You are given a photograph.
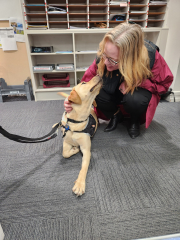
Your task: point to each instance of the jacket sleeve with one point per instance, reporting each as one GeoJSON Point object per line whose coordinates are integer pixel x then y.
{"type": "Point", "coordinates": [162, 77]}
{"type": "Point", "coordinates": [90, 72]}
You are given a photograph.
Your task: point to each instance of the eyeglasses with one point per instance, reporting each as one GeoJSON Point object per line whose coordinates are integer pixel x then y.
{"type": "Point", "coordinates": [111, 61]}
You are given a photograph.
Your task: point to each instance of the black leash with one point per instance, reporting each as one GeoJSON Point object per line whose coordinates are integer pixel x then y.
{"type": "Point", "coordinates": [17, 138]}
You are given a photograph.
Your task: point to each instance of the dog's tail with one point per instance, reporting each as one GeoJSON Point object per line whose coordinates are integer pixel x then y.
{"type": "Point", "coordinates": [63, 94]}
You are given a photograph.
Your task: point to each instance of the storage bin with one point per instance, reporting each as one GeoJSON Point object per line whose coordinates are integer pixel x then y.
{"type": "Point", "coordinates": [56, 80]}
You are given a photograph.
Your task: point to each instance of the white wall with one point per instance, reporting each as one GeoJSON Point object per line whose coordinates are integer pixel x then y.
{"type": "Point", "coordinates": [172, 53]}
{"type": "Point", "coordinates": [10, 8]}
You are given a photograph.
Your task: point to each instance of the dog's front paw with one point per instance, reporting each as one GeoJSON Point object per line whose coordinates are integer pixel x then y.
{"type": "Point", "coordinates": [79, 188]}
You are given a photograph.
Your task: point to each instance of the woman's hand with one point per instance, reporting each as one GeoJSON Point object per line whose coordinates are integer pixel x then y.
{"type": "Point", "coordinates": [122, 88]}
{"type": "Point", "coordinates": [67, 106]}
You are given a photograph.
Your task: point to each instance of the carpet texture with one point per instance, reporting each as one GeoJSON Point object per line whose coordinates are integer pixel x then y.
{"type": "Point", "coordinates": [133, 186]}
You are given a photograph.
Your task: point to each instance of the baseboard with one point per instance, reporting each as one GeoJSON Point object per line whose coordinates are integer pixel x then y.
{"type": "Point", "coordinates": [1, 233]}
{"type": "Point", "coordinates": [167, 237]}
{"type": "Point", "coordinates": [171, 97]}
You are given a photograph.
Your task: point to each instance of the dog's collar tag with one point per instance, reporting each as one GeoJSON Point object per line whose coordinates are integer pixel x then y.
{"type": "Point", "coordinates": [66, 127]}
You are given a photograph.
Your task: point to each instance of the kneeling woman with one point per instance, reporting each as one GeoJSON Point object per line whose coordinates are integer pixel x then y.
{"type": "Point", "coordinates": [134, 76]}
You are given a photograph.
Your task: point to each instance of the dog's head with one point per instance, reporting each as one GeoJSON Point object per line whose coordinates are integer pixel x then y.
{"type": "Point", "coordinates": [85, 91]}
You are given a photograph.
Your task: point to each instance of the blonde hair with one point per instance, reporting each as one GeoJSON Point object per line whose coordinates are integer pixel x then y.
{"type": "Point", "coordinates": [134, 63]}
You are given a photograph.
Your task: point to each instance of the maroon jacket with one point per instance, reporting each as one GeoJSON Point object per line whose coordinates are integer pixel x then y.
{"type": "Point", "coordinates": [158, 84]}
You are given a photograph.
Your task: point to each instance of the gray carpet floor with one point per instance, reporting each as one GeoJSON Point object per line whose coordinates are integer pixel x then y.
{"type": "Point", "coordinates": [133, 186]}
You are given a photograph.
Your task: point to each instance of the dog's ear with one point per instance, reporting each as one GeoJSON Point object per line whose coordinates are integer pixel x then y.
{"type": "Point", "coordinates": [63, 94]}
{"type": "Point", "coordinates": [74, 97]}
{"type": "Point", "coordinates": [94, 103]}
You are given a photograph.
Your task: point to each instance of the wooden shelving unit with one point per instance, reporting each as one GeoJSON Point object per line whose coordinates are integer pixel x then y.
{"type": "Point", "coordinates": [75, 37]}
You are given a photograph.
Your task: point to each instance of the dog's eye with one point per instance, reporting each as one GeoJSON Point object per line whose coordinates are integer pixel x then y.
{"type": "Point", "coordinates": [83, 83]}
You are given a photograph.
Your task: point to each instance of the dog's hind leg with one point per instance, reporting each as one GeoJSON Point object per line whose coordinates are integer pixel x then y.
{"type": "Point", "coordinates": [69, 150]}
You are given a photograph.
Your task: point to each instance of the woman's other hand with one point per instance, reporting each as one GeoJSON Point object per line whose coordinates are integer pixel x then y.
{"type": "Point", "coordinates": [67, 106]}
{"type": "Point", "coordinates": [122, 88]}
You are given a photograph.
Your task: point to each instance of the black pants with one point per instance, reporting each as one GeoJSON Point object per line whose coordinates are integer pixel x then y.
{"type": "Point", "coordinates": [135, 104]}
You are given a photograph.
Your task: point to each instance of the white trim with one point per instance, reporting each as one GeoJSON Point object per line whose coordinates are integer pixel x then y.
{"type": "Point", "coordinates": [163, 237]}
{"type": "Point", "coordinates": [177, 96]}
{"type": "Point", "coordinates": [1, 233]}
{"type": "Point", "coordinates": [4, 19]}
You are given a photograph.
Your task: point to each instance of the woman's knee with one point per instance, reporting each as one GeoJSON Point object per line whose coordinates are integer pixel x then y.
{"type": "Point", "coordinates": [138, 101]}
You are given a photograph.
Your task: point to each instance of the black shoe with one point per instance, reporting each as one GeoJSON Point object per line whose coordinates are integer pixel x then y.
{"type": "Point", "coordinates": [114, 122]}
{"type": "Point", "coordinates": [134, 130]}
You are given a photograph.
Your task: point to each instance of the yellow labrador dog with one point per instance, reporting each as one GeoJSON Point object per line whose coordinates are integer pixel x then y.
{"type": "Point", "coordinates": [79, 125]}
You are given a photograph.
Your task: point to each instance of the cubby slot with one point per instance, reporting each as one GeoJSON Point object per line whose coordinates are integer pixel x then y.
{"type": "Point", "coordinates": [116, 9]}
{"type": "Point", "coordinates": [84, 60]}
{"type": "Point", "coordinates": [56, 3]}
{"type": "Point", "coordinates": [54, 59]}
{"type": "Point", "coordinates": [101, 8]}
{"type": "Point", "coordinates": [87, 41]}
{"type": "Point", "coordinates": [79, 75]}
{"type": "Point", "coordinates": [39, 81]}
{"type": "Point", "coordinates": [97, 2]}
{"type": "Point", "coordinates": [155, 23]}
{"type": "Point", "coordinates": [99, 17]}
{"type": "Point", "coordinates": [36, 17]}
{"type": "Point", "coordinates": [78, 17]}
{"type": "Point", "coordinates": [98, 24]}
{"type": "Point", "coordinates": [78, 24]}
{"type": "Point", "coordinates": [113, 24]}
{"type": "Point", "coordinates": [58, 25]}
{"type": "Point", "coordinates": [60, 42]}
{"type": "Point", "coordinates": [34, 1]}
{"type": "Point", "coordinates": [138, 1]}
{"type": "Point", "coordinates": [57, 17]}
{"type": "Point", "coordinates": [77, 8]}
{"type": "Point", "coordinates": [35, 9]}
{"type": "Point", "coordinates": [152, 36]}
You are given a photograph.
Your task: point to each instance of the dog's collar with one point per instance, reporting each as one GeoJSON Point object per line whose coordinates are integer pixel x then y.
{"type": "Point", "coordinates": [67, 126]}
{"type": "Point", "coordinates": [74, 121]}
